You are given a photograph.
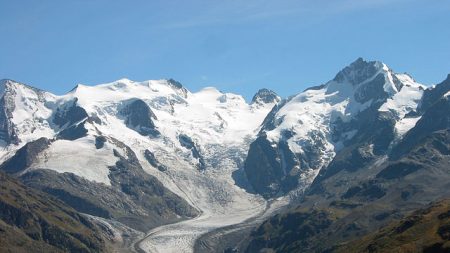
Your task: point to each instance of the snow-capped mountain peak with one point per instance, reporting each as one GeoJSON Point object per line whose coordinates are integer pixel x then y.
{"type": "Point", "coordinates": [359, 71]}
{"type": "Point", "coordinates": [366, 80]}
{"type": "Point", "coordinates": [315, 124]}
{"type": "Point", "coordinates": [264, 96]}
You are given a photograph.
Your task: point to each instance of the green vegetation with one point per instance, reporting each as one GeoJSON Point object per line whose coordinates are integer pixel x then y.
{"type": "Point", "coordinates": [31, 221]}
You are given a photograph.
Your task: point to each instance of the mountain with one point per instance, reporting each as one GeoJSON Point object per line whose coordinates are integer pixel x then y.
{"type": "Point", "coordinates": [200, 170]}
{"type": "Point", "coordinates": [265, 96]}
{"type": "Point", "coordinates": [31, 221]}
{"type": "Point", "coordinates": [396, 163]}
{"type": "Point", "coordinates": [366, 103]}
{"type": "Point", "coordinates": [132, 152]}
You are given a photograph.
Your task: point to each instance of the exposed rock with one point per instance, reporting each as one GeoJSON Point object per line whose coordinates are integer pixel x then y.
{"type": "Point", "coordinates": [436, 118]}
{"type": "Point", "coordinates": [100, 142]}
{"type": "Point", "coordinates": [69, 115]}
{"type": "Point", "coordinates": [188, 143]}
{"type": "Point", "coordinates": [73, 132]}
{"type": "Point", "coordinates": [7, 131]}
{"type": "Point", "coordinates": [178, 86]}
{"type": "Point", "coordinates": [422, 231]}
{"type": "Point", "coordinates": [265, 96]}
{"type": "Point", "coordinates": [153, 161]}
{"type": "Point", "coordinates": [25, 156]}
{"type": "Point", "coordinates": [139, 116]}
{"type": "Point", "coordinates": [433, 94]}
{"type": "Point", "coordinates": [268, 174]}
{"type": "Point", "coordinates": [31, 221]}
{"type": "Point", "coordinates": [290, 232]}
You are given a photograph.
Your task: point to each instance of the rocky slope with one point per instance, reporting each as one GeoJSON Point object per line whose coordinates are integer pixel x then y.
{"type": "Point", "coordinates": [426, 230]}
{"type": "Point", "coordinates": [31, 221]}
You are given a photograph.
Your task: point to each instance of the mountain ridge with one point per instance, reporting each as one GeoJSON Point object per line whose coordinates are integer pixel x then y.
{"type": "Point", "coordinates": [146, 144]}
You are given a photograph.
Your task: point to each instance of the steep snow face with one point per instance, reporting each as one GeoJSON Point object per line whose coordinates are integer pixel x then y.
{"type": "Point", "coordinates": [403, 102]}
{"type": "Point", "coordinates": [314, 111]}
{"type": "Point", "coordinates": [307, 123]}
{"type": "Point", "coordinates": [28, 110]}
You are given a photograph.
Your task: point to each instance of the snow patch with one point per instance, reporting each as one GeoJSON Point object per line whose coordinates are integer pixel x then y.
{"type": "Point", "coordinates": [79, 157]}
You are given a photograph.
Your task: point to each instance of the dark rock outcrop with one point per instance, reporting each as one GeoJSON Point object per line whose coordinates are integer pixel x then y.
{"type": "Point", "coordinates": [265, 96]}
{"type": "Point", "coordinates": [153, 161]}
{"type": "Point", "coordinates": [178, 87]}
{"type": "Point", "coordinates": [436, 118]}
{"type": "Point", "coordinates": [7, 130]}
{"type": "Point", "coordinates": [100, 142]}
{"type": "Point", "coordinates": [188, 143]}
{"type": "Point", "coordinates": [69, 114]}
{"type": "Point", "coordinates": [433, 94]}
{"type": "Point", "coordinates": [70, 120]}
{"type": "Point", "coordinates": [139, 116]}
{"type": "Point", "coordinates": [25, 156]}
{"type": "Point", "coordinates": [268, 174]}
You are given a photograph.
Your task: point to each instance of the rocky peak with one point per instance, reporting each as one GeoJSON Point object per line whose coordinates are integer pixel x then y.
{"type": "Point", "coordinates": [366, 80]}
{"type": "Point", "coordinates": [140, 117]}
{"type": "Point", "coordinates": [359, 71]}
{"type": "Point", "coordinates": [2, 85]}
{"type": "Point", "coordinates": [9, 85]}
{"type": "Point", "coordinates": [178, 87]}
{"type": "Point", "coordinates": [265, 96]}
{"type": "Point", "coordinates": [433, 94]}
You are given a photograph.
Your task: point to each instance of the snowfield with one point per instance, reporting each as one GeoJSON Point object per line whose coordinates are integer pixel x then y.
{"type": "Point", "coordinates": [92, 163]}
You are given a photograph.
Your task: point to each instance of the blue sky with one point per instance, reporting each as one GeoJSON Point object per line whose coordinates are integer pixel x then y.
{"type": "Point", "coordinates": [235, 45]}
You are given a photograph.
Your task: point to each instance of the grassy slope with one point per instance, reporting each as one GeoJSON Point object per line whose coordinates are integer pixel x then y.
{"type": "Point", "coordinates": [31, 221]}
{"type": "Point", "coordinates": [426, 230]}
